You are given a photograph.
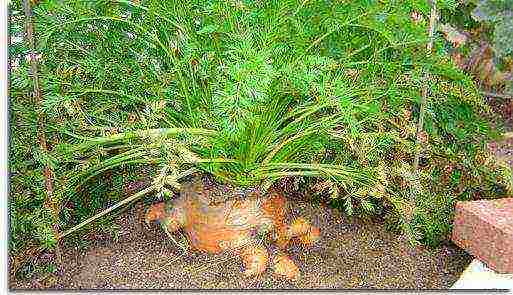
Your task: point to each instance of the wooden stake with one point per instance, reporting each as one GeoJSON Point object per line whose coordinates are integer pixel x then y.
{"type": "Point", "coordinates": [50, 202]}
{"type": "Point", "coordinates": [425, 90]}
{"type": "Point", "coordinates": [420, 125]}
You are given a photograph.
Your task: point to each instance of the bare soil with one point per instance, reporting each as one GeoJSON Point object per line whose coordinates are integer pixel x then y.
{"type": "Point", "coordinates": [352, 253]}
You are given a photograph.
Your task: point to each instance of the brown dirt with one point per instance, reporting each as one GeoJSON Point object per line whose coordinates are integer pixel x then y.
{"type": "Point", "coordinates": [352, 253]}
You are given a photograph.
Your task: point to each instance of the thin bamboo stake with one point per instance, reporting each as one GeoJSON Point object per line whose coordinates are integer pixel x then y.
{"type": "Point", "coordinates": [50, 201]}
{"type": "Point", "coordinates": [425, 90]}
{"type": "Point", "coordinates": [423, 102]}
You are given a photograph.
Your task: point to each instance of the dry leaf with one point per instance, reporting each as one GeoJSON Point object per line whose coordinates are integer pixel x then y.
{"type": "Point", "coordinates": [416, 17]}
{"type": "Point", "coordinates": [458, 60]}
{"type": "Point", "coordinates": [131, 118]}
{"type": "Point", "coordinates": [452, 35]}
{"type": "Point", "coordinates": [423, 137]}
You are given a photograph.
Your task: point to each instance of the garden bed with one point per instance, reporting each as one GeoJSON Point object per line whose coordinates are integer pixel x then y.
{"type": "Point", "coordinates": [353, 253]}
{"type": "Point", "coordinates": [375, 106]}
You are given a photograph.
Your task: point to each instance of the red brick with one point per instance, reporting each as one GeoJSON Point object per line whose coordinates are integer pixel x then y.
{"type": "Point", "coordinates": [484, 229]}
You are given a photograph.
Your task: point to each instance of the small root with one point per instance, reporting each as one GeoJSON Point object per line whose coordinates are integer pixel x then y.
{"type": "Point", "coordinates": [179, 245]}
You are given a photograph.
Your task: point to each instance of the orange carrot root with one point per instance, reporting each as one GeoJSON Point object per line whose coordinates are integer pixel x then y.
{"type": "Point", "coordinates": [284, 266]}
{"type": "Point", "coordinates": [255, 260]}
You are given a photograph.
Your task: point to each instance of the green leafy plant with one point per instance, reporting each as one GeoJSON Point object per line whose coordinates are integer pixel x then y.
{"type": "Point", "coordinates": [252, 92]}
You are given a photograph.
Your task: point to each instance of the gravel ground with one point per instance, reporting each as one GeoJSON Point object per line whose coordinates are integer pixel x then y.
{"type": "Point", "coordinates": [351, 254]}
